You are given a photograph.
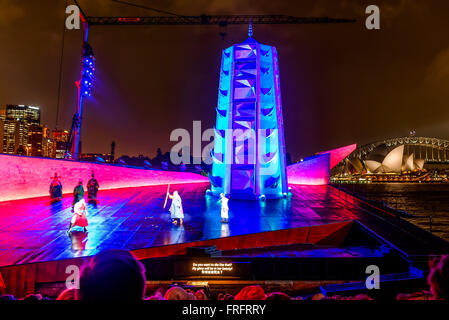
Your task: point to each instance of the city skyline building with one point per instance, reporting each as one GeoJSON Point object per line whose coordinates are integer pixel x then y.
{"type": "Point", "coordinates": [39, 142]}
{"type": "Point", "coordinates": [34, 141]}
{"type": "Point", "coordinates": [18, 120]}
{"type": "Point", "coordinates": [22, 134]}
{"type": "Point", "coordinates": [59, 140]}
{"type": "Point", "coordinates": [2, 126]}
{"type": "Point", "coordinates": [47, 145]}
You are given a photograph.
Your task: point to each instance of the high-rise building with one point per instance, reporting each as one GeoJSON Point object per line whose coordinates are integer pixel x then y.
{"type": "Point", "coordinates": [47, 144]}
{"type": "Point", "coordinates": [59, 139]}
{"type": "Point", "coordinates": [34, 141]}
{"type": "Point", "coordinates": [249, 150]}
{"type": "Point", "coordinates": [2, 126]}
{"type": "Point", "coordinates": [18, 120]}
{"type": "Point", "coordinates": [112, 157]}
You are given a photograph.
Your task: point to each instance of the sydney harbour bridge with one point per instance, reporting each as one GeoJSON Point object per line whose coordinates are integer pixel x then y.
{"type": "Point", "coordinates": [428, 149]}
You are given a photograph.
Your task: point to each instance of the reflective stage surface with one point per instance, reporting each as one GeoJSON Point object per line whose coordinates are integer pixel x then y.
{"type": "Point", "coordinates": [34, 230]}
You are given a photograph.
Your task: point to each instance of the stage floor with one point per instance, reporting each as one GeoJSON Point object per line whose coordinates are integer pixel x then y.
{"type": "Point", "coordinates": [33, 230]}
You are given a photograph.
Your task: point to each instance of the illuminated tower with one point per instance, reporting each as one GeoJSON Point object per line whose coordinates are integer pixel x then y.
{"type": "Point", "coordinates": [249, 150]}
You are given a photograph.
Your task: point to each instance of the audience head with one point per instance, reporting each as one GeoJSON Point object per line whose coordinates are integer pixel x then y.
{"type": "Point", "coordinates": [178, 293]}
{"type": "Point", "coordinates": [278, 296]}
{"type": "Point", "coordinates": [156, 296]}
{"type": "Point", "coordinates": [201, 295]}
{"type": "Point", "coordinates": [362, 297]}
{"type": "Point", "coordinates": [32, 297]}
{"type": "Point", "coordinates": [112, 275]}
{"type": "Point", "coordinates": [318, 296]}
{"type": "Point", "coordinates": [68, 294]}
{"type": "Point", "coordinates": [225, 296]}
{"type": "Point", "coordinates": [438, 279]}
{"type": "Point", "coordinates": [251, 293]}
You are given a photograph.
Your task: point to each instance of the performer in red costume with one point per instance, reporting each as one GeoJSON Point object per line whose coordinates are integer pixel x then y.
{"type": "Point", "coordinates": [79, 216]}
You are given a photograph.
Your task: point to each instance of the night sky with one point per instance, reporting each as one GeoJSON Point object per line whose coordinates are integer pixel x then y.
{"type": "Point", "coordinates": [341, 83]}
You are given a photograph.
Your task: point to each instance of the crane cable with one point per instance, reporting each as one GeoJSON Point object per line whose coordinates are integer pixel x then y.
{"type": "Point", "coordinates": [145, 7]}
{"type": "Point", "coordinates": [61, 60]}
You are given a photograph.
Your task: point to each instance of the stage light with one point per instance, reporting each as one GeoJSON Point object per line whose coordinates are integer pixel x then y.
{"type": "Point", "coordinates": [88, 70]}
{"type": "Point", "coordinates": [87, 92]}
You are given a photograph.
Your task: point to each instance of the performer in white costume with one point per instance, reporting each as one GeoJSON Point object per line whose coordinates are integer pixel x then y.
{"type": "Point", "coordinates": [224, 208]}
{"type": "Point", "coordinates": [79, 217]}
{"type": "Point", "coordinates": [176, 212]}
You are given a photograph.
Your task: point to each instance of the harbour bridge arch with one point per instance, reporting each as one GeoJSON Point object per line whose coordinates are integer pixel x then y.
{"type": "Point", "coordinates": [426, 148]}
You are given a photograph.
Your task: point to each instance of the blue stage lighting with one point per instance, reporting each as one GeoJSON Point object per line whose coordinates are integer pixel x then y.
{"type": "Point", "coordinates": [249, 149]}
{"type": "Point", "coordinates": [87, 71]}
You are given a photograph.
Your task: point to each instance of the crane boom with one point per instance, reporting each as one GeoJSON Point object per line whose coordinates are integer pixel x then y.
{"type": "Point", "coordinates": [221, 20]}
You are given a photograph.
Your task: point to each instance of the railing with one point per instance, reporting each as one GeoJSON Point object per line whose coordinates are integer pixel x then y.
{"type": "Point", "coordinates": [398, 213]}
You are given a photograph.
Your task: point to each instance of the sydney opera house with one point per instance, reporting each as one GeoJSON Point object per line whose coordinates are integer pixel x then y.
{"type": "Point", "coordinates": [410, 157]}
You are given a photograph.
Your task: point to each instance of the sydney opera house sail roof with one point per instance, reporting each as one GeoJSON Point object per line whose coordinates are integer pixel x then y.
{"type": "Point", "coordinates": [413, 164]}
{"type": "Point", "coordinates": [395, 162]}
{"type": "Point", "coordinates": [391, 163]}
{"type": "Point", "coordinates": [396, 155]}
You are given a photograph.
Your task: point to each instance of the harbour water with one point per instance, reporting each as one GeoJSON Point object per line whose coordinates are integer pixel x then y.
{"type": "Point", "coordinates": [427, 202]}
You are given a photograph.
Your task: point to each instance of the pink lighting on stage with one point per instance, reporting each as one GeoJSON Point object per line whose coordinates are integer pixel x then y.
{"type": "Point", "coordinates": [315, 170]}
{"type": "Point", "coordinates": [311, 171]}
{"type": "Point", "coordinates": [339, 154]}
{"type": "Point", "coordinates": [28, 177]}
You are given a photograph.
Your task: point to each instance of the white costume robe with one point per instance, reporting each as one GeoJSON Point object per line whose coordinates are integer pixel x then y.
{"type": "Point", "coordinates": [224, 208]}
{"type": "Point", "coordinates": [176, 211]}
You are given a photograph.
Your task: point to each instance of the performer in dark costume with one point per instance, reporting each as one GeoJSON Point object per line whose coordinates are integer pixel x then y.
{"type": "Point", "coordinates": [92, 189]}
{"type": "Point", "coordinates": [55, 189]}
{"type": "Point", "coordinates": [78, 193]}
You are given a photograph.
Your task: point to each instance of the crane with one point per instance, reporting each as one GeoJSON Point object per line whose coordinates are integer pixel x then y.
{"type": "Point", "coordinates": [220, 20]}
{"type": "Point", "coordinates": [84, 84]}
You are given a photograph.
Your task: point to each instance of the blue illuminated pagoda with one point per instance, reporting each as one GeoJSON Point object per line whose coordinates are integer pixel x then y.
{"type": "Point", "coordinates": [249, 150]}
